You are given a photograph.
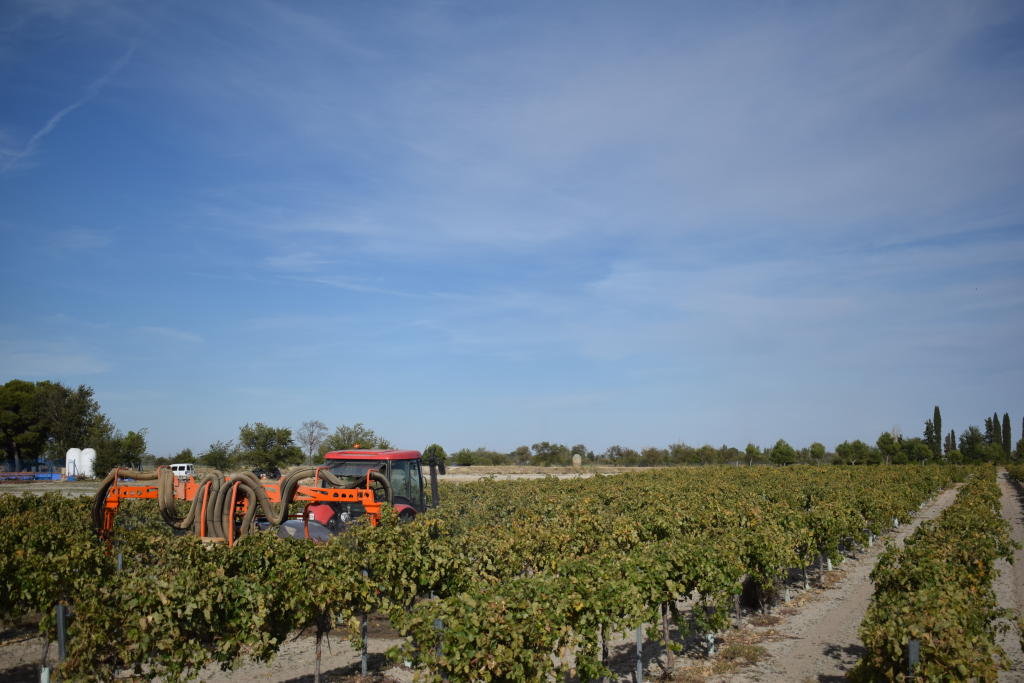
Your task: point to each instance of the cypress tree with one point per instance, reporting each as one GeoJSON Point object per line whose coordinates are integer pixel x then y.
{"type": "Point", "coordinates": [937, 442]}
{"type": "Point", "coordinates": [997, 432]}
{"type": "Point", "coordinates": [1007, 438]}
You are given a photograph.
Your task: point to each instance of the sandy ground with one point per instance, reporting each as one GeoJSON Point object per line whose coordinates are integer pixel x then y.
{"type": "Point", "coordinates": [1010, 584]}
{"type": "Point", "coordinates": [819, 641]}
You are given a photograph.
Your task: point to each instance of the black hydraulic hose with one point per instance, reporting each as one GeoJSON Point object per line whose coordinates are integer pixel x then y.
{"type": "Point", "coordinates": [214, 494]}
{"type": "Point", "coordinates": [389, 495]}
{"type": "Point", "coordinates": [166, 500]}
{"type": "Point", "coordinates": [256, 494]}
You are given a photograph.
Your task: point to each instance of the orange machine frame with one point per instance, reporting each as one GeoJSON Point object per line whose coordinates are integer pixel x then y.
{"type": "Point", "coordinates": [186, 490]}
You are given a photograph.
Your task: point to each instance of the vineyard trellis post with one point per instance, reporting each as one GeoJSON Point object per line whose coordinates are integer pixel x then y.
{"type": "Point", "coordinates": [604, 648]}
{"type": "Point", "coordinates": [439, 627]}
{"type": "Point", "coordinates": [913, 656]}
{"type": "Point", "coordinates": [62, 632]}
{"type": "Point", "coordinates": [668, 642]}
{"type": "Point", "coordinates": [640, 654]}
{"type": "Point", "coordinates": [362, 632]}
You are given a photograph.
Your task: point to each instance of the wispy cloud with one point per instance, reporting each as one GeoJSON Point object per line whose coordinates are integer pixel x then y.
{"type": "Point", "coordinates": [91, 92]}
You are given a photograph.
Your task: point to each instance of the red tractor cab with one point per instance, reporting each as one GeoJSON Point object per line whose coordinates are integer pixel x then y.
{"type": "Point", "coordinates": [402, 469]}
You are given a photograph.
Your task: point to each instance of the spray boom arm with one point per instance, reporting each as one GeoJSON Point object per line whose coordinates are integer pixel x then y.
{"type": "Point", "coordinates": [218, 501]}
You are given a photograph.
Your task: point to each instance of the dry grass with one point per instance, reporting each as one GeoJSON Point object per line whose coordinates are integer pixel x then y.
{"type": "Point", "coordinates": [692, 674]}
{"type": "Point", "coordinates": [762, 620]}
{"type": "Point", "coordinates": [735, 656]}
{"type": "Point", "coordinates": [832, 578]}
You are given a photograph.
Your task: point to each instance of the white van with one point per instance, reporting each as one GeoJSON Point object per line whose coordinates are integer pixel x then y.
{"type": "Point", "coordinates": [183, 471]}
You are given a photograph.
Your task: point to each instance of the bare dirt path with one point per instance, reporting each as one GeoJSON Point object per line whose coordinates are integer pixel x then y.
{"type": "Point", "coordinates": [819, 642]}
{"type": "Point", "coordinates": [1010, 584]}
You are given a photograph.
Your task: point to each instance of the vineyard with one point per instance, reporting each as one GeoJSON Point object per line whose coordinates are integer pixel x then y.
{"type": "Point", "coordinates": [937, 590]}
{"type": "Point", "coordinates": [518, 580]}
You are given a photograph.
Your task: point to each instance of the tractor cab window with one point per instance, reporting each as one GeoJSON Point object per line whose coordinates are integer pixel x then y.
{"type": "Point", "coordinates": [416, 485]}
{"type": "Point", "coordinates": [355, 471]}
{"type": "Point", "coordinates": [353, 475]}
{"type": "Point", "coordinates": [400, 480]}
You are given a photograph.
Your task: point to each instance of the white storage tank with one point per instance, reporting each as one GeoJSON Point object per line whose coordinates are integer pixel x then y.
{"type": "Point", "coordinates": [88, 459]}
{"type": "Point", "coordinates": [71, 464]}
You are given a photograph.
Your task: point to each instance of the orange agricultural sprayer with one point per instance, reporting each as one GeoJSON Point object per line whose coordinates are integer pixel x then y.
{"type": "Point", "coordinates": [225, 508]}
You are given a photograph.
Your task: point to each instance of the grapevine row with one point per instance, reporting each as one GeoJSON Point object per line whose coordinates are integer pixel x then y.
{"type": "Point", "coordinates": [937, 590]}
{"type": "Point", "coordinates": [518, 570]}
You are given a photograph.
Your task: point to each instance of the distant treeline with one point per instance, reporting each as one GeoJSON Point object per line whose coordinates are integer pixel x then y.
{"type": "Point", "coordinates": [40, 421]}
{"type": "Point", "coordinates": [972, 446]}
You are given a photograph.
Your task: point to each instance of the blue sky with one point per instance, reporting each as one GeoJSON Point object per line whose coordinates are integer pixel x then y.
{"type": "Point", "coordinates": [491, 224]}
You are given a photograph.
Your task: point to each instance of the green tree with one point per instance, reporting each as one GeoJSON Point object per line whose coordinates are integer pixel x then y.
{"type": "Point", "coordinates": [930, 433]}
{"type": "Point", "coordinates": [438, 453]}
{"type": "Point", "coordinates": [618, 455]}
{"type": "Point", "coordinates": [480, 456]}
{"type": "Point", "coordinates": [971, 441]}
{"type": "Point", "coordinates": [521, 455]}
{"type": "Point", "coordinates": [950, 444]}
{"type": "Point", "coordinates": [889, 447]}
{"type": "Point", "coordinates": [268, 447]}
{"type": "Point", "coordinates": [783, 453]}
{"type": "Point", "coordinates": [652, 457]}
{"type": "Point", "coordinates": [856, 453]}
{"type": "Point", "coordinates": [464, 457]}
{"type": "Point", "coordinates": [219, 456]}
{"type": "Point", "coordinates": [1007, 435]}
{"type": "Point", "coordinates": [818, 452]}
{"type": "Point", "coordinates": [70, 415]}
{"type": "Point", "coordinates": [346, 438]}
{"type": "Point", "coordinates": [917, 450]}
{"type": "Point", "coordinates": [23, 431]}
{"type": "Point", "coordinates": [991, 452]}
{"type": "Point", "coordinates": [936, 442]}
{"type": "Point", "coordinates": [680, 454]}
{"type": "Point", "coordinates": [997, 430]}
{"type": "Point", "coordinates": [114, 449]}
{"type": "Point", "coordinates": [546, 454]}
{"type": "Point", "coordinates": [183, 457]}
{"type": "Point", "coordinates": [752, 452]}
